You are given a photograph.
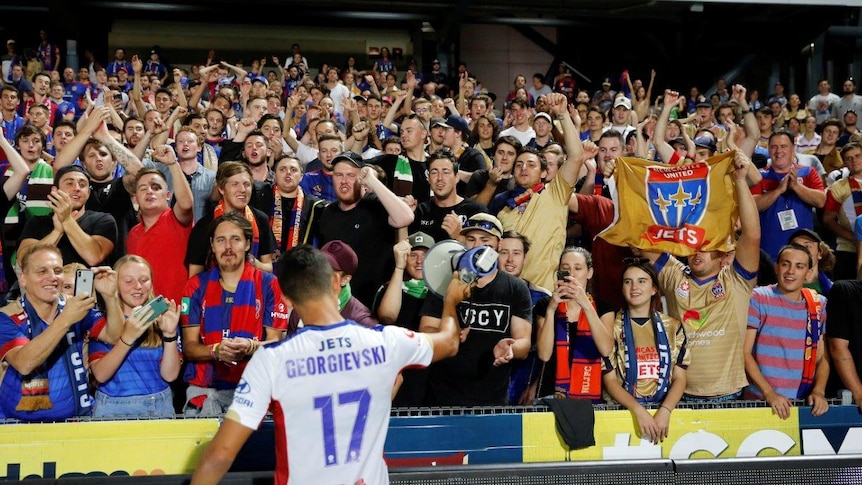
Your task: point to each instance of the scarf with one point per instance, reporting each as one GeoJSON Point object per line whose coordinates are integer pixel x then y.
{"type": "Point", "coordinates": [277, 220]}
{"type": "Point", "coordinates": [631, 363]}
{"type": "Point", "coordinates": [249, 215]}
{"type": "Point", "coordinates": [812, 338]}
{"type": "Point", "coordinates": [344, 296]}
{"type": "Point", "coordinates": [35, 388]}
{"type": "Point", "coordinates": [579, 368]}
{"type": "Point", "coordinates": [519, 196]}
{"type": "Point", "coordinates": [403, 177]}
{"type": "Point", "coordinates": [415, 288]}
{"type": "Point", "coordinates": [856, 193]}
{"type": "Point", "coordinates": [242, 318]}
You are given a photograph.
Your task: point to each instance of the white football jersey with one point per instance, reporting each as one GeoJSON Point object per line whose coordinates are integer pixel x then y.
{"type": "Point", "coordinates": [330, 393]}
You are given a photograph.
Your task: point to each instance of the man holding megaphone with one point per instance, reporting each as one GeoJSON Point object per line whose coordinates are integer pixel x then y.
{"type": "Point", "coordinates": [495, 327]}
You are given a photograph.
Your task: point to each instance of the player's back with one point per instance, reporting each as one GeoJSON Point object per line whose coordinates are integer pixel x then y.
{"type": "Point", "coordinates": [332, 390]}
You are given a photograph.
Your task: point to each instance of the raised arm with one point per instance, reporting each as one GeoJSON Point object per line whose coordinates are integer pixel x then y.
{"type": "Point", "coordinates": [662, 147]}
{"type": "Point", "coordinates": [20, 170]}
{"type": "Point", "coordinates": [184, 200]}
{"type": "Point", "coordinates": [748, 244]}
{"type": "Point", "coordinates": [400, 214]}
{"type": "Point", "coordinates": [571, 133]}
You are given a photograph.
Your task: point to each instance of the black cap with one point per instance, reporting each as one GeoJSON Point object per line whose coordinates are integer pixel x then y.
{"type": "Point", "coordinates": [360, 97]}
{"type": "Point", "coordinates": [806, 233]}
{"type": "Point", "coordinates": [703, 104]}
{"type": "Point", "coordinates": [68, 168]}
{"type": "Point", "coordinates": [458, 123]}
{"type": "Point", "coordinates": [349, 156]}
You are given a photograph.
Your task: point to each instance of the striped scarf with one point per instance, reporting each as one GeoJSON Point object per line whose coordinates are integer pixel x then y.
{"type": "Point", "coordinates": [579, 368]}
{"type": "Point", "coordinates": [631, 362]}
{"type": "Point", "coordinates": [812, 338]}
{"type": "Point", "coordinates": [856, 193]}
{"type": "Point", "coordinates": [249, 215]}
{"type": "Point", "coordinates": [277, 220]}
{"type": "Point", "coordinates": [520, 196]}
{"type": "Point", "coordinates": [403, 183]}
{"type": "Point", "coordinates": [241, 318]}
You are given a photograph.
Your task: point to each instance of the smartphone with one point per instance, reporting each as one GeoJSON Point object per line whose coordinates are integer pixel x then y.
{"type": "Point", "coordinates": [159, 305]}
{"type": "Point", "coordinates": [118, 96]}
{"type": "Point", "coordinates": [84, 282]}
{"type": "Point", "coordinates": [561, 275]}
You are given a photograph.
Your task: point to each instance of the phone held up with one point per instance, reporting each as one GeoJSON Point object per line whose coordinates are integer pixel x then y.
{"type": "Point", "coordinates": [84, 279]}
{"type": "Point", "coordinates": [561, 275]}
{"type": "Point", "coordinates": [159, 305]}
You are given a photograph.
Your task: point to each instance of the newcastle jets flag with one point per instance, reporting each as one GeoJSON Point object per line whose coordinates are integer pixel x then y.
{"type": "Point", "coordinates": [676, 209]}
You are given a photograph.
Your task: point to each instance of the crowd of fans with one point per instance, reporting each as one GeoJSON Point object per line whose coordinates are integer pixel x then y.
{"type": "Point", "coordinates": [189, 184]}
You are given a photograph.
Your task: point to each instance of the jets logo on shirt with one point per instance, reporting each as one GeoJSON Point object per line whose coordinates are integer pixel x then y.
{"type": "Point", "coordinates": [243, 387]}
{"type": "Point", "coordinates": [718, 290]}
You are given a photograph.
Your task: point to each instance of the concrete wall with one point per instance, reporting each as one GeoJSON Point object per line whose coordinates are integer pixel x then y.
{"type": "Point", "coordinates": [495, 54]}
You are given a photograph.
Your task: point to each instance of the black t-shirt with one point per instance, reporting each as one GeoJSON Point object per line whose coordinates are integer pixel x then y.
{"type": "Point", "coordinates": [199, 241]}
{"type": "Point", "coordinates": [478, 181]}
{"type": "Point", "coordinates": [366, 229]}
{"type": "Point", "coordinates": [421, 190]}
{"type": "Point", "coordinates": [843, 306]}
{"type": "Point", "coordinates": [92, 222]}
{"type": "Point", "coordinates": [470, 378]}
{"type": "Point", "coordinates": [428, 216]}
{"type": "Point", "coordinates": [113, 198]}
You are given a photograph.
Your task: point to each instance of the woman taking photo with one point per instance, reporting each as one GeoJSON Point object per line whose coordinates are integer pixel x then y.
{"type": "Point", "coordinates": [133, 376]}
{"type": "Point", "coordinates": [649, 357]}
{"type": "Point", "coordinates": [572, 338]}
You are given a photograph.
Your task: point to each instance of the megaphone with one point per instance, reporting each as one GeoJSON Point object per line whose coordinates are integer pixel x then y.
{"type": "Point", "coordinates": [450, 255]}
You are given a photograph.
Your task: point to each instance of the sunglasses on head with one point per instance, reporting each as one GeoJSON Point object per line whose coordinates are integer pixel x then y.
{"type": "Point", "coordinates": [487, 225]}
{"type": "Point", "coordinates": [635, 261]}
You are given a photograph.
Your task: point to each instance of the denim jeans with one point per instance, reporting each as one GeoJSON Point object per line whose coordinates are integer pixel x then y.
{"type": "Point", "coordinates": [150, 405]}
{"type": "Point", "coordinates": [734, 396]}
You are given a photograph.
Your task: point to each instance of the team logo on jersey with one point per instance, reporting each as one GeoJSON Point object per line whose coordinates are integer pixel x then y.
{"type": "Point", "coordinates": [243, 387]}
{"type": "Point", "coordinates": [683, 289]}
{"type": "Point", "coordinates": [184, 309]}
{"type": "Point", "coordinates": [718, 290]}
{"type": "Point", "coordinates": [409, 333]}
{"type": "Point", "coordinates": [677, 197]}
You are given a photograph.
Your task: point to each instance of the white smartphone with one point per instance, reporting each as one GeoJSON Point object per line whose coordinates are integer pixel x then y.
{"type": "Point", "coordinates": [84, 282]}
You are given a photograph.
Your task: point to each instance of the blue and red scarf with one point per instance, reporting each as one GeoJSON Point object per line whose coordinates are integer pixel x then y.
{"type": "Point", "coordinates": [579, 367]}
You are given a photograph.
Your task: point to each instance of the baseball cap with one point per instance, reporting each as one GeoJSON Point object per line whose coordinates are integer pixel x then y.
{"type": "Point", "coordinates": [542, 114]}
{"type": "Point", "coordinates": [435, 61]}
{"type": "Point", "coordinates": [435, 122]}
{"type": "Point", "coordinates": [623, 101]}
{"type": "Point", "coordinates": [10, 41]}
{"type": "Point", "coordinates": [703, 104]}
{"type": "Point", "coordinates": [341, 256]}
{"type": "Point", "coordinates": [420, 240]}
{"type": "Point", "coordinates": [122, 68]}
{"type": "Point", "coordinates": [360, 97]}
{"type": "Point", "coordinates": [606, 82]}
{"type": "Point", "coordinates": [705, 142]}
{"type": "Point", "coordinates": [260, 79]}
{"type": "Point", "coordinates": [676, 140]}
{"type": "Point", "coordinates": [806, 233]}
{"type": "Point", "coordinates": [483, 222]}
{"type": "Point", "coordinates": [458, 123]}
{"type": "Point", "coordinates": [349, 156]}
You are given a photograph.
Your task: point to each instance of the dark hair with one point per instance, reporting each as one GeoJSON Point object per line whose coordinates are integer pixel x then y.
{"type": "Point", "coordinates": [588, 257]}
{"type": "Point", "coordinates": [543, 162]}
{"type": "Point", "coordinates": [286, 158]}
{"type": "Point", "coordinates": [270, 116]}
{"type": "Point", "coordinates": [443, 154]}
{"type": "Point", "coordinates": [797, 247]}
{"type": "Point", "coordinates": [525, 241]}
{"type": "Point", "coordinates": [236, 219]}
{"type": "Point", "coordinates": [28, 130]}
{"type": "Point", "coordinates": [646, 266]}
{"type": "Point", "coordinates": [495, 127]}
{"type": "Point", "coordinates": [509, 140]}
{"type": "Point", "coordinates": [68, 169]}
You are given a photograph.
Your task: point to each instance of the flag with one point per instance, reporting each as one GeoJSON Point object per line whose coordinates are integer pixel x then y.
{"type": "Point", "coordinates": [676, 209]}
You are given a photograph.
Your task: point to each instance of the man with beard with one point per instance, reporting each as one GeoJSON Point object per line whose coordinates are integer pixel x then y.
{"type": "Point", "coordinates": [229, 311]}
{"type": "Point", "coordinates": [365, 223]}
{"type": "Point", "coordinates": [445, 213]}
{"type": "Point", "coordinates": [86, 237]}
{"type": "Point", "coordinates": [290, 209]}
{"type": "Point", "coordinates": [234, 184]}
{"type": "Point", "coordinates": [100, 153]}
